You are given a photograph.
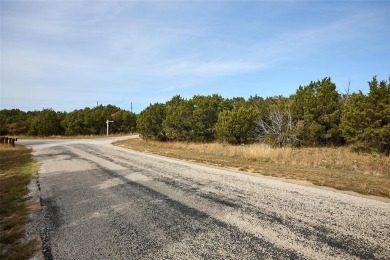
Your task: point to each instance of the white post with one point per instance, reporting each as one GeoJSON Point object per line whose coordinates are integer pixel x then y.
{"type": "Point", "coordinates": [107, 122]}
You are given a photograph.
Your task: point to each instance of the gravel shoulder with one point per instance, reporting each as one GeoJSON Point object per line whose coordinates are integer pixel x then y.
{"type": "Point", "coordinates": [106, 202]}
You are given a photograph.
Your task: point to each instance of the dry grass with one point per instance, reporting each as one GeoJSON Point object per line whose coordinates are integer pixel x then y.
{"type": "Point", "coordinates": [332, 167]}
{"type": "Point", "coordinates": [16, 171]}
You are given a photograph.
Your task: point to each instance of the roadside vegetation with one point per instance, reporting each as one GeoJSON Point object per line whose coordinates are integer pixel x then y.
{"type": "Point", "coordinates": [47, 122]}
{"type": "Point", "coordinates": [317, 115]}
{"type": "Point", "coordinates": [317, 134]}
{"type": "Point", "coordinates": [336, 167]}
{"type": "Point", "coordinates": [16, 171]}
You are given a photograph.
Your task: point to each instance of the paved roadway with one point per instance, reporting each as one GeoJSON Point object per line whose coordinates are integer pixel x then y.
{"type": "Point", "coordinates": [105, 202]}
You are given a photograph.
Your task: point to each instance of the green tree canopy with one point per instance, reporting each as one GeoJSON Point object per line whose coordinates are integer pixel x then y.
{"type": "Point", "coordinates": [318, 108]}
{"type": "Point", "coordinates": [150, 121]}
{"type": "Point", "coordinates": [205, 116]}
{"type": "Point", "coordinates": [89, 121]}
{"type": "Point", "coordinates": [14, 122]}
{"type": "Point", "coordinates": [124, 121]}
{"type": "Point", "coordinates": [366, 119]}
{"type": "Point", "coordinates": [46, 123]}
{"type": "Point", "coordinates": [179, 122]}
{"type": "Point", "coordinates": [237, 126]}
{"type": "Point", "coordinates": [316, 115]}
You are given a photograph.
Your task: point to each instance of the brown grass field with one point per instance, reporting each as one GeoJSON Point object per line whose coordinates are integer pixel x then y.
{"type": "Point", "coordinates": [16, 171]}
{"type": "Point", "coordinates": [338, 167]}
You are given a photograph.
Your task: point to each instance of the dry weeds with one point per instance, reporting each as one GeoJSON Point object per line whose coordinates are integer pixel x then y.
{"type": "Point", "coordinates": [16, 171]}
{"type": "Point", "coordinates": [337, 167]}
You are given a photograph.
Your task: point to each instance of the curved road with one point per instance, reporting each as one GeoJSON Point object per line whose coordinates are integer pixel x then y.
{"type": "Point", "coordinates": [100, 201]}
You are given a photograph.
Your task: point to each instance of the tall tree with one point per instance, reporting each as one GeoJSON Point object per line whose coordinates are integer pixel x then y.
{"type": "Point", "coordinates": [92, 121]}
{"type": "Point", "coordinates": [150, 121]}
{"type": "Point", "coordinates": [124, 121]}
{"type": "Point", "coordinates": [237, 126]}
{"type": "Point", "coordinates": [366, 120]}
{"type": "Point", "coordinates": [179, 122]}
{"type": "Point", "coordinates": [205, 115]}
{"type": "Point", "coordinates": [14, 122]}
{"type": "Point", "coordinates": [46, 123]}
{"type": "Point", "coordinates": [73, 123]}
{"type": "Point", "coordinates": [318, 110]}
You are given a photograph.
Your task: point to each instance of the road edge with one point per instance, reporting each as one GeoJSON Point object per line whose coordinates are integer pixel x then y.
{"type": "Point", "coordinates": [297, 182]}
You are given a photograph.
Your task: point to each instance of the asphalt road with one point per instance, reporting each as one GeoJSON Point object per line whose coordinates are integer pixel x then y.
{"type": "Point", "coordinates": [100, 201]}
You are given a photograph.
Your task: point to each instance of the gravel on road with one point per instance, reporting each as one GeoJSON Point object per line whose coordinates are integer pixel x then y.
{"type": "Point", "coordinates": [100, 201]}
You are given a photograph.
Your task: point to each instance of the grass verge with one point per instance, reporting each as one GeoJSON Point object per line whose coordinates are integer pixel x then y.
{"type": "Point", "coordinates": [337, 168]}
{"type": "Point", "coordinates": [16, 171]}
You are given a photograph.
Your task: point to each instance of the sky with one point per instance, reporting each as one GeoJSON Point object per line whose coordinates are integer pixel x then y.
{"type": "Point", "coordinates": [71, 54]}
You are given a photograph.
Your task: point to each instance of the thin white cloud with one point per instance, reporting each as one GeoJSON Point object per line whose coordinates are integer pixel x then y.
{"type": "Point", "coordinates": [130, 47]}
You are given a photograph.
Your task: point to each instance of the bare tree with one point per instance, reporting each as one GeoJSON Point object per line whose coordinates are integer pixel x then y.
{"type": "Point", "coordinates": [278, 127]}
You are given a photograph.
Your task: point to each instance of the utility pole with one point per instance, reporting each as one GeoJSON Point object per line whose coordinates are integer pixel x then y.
{"type": "Point", "coordinates": [131, 107]}
{"type": "Point", "coordinates": [107, 122]}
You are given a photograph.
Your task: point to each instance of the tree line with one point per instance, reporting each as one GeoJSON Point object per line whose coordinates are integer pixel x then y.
{"type": "Point", "coordinates": [47, 122]}
{"type": "Point", "coordinates": [316, 115]}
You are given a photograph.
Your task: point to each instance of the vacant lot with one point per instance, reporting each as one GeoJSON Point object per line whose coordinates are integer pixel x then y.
{"type": "Point", "coordinates": [332, 167]}
{"type": "Point", "coordinates": [16, 171]}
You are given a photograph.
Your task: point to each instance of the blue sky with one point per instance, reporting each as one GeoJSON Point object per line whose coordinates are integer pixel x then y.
{"type": "Point", "coordinates": [71, 54]}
